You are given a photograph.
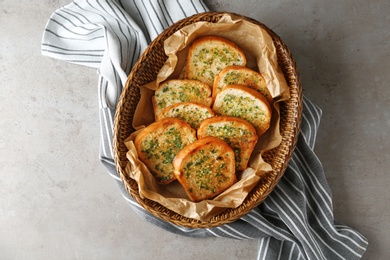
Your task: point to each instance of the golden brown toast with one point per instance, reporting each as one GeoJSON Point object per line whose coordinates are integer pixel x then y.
{"type": "Point", "coordinates": [241, 75]}
{"type": "Point", "coordinates": [245, 103]}
{"type": "Point", "coordinates": [208, 55]}
{"type": "Point", "coordinates": [205, 168]}
{"type": "Point", "coordinates": [190, 112]}
{"type": "Point", "coordinates": [239, 134]}
{"type": "Point", "coordinates": [180, 90]}
{"type": "Point", "coordinates": [158, 144]}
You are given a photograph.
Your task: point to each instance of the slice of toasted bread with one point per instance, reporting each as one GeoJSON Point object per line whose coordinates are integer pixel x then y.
{"type": "Point", "coordinates": [190, 112]}
{"type": "Point", "coordinates": [241, 75]}
{"type": "Point", "coordinates": [158, 144]}
{"type": "Point", "coordinates": [246, 103]}
{"type": "Point", "coordinates": [239, 134]}
{"type": "Point", "coordinates": [180, 90]}
{"type": "Point", "coordinates": [205, 168]}
{"type": "Point", "coordinates": [208, 55]}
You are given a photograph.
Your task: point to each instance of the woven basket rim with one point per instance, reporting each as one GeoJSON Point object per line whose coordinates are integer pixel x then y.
{"type": "Point", "coordinates": [292, 116]}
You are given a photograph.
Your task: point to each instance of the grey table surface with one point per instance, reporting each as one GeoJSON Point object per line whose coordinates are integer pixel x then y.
{"type": "Point", "coordinates": [57, 200]}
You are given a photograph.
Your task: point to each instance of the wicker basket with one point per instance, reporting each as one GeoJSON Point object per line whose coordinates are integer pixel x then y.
{"type": "Point", "coordinates": [146, 70]}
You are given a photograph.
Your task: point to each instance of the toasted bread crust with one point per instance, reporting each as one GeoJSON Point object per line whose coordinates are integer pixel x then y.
{"type": "Point", "coordinates": [205, 168]}
{"type": "Point", "coordinates": [158, 144]}
{"type": "Point", "coordinates": [246, 103]}
{"type": "Point", "coordinates": [239, 134]}
{"type": "Point", "coordinates": [241, 75]}
{"type": "Point", "coordinates": [208, 55]}
{"type": "Point", "coordinates": [180, 90]}
{"type": "Point", "coordinates": [190, 112]}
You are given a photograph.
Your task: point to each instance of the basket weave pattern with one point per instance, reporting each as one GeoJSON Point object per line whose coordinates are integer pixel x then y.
{"type": "Point", "coordinates": [146, 70]}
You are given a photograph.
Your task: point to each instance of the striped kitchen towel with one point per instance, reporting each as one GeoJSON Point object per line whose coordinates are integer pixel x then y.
{"type": "Point", "coordinates": [294, 222]}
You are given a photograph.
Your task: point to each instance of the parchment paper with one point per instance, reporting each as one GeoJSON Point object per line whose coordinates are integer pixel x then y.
{"type": "Point", "coordinates": [261, 56]}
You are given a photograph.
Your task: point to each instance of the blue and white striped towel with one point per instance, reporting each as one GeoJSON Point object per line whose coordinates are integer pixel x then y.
{"type": "Point", "coordinates": [294, 222]}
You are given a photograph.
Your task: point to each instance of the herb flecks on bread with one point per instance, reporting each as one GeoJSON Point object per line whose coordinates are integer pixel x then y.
{"type": "Point", "coordinates": [241, 75]}
{"type": "Point", "coordinates": [208, 123]}
{"type": "Point", "coordinates": [180, 90]}
{"type": "Point", "coordinates": [158, 144]}
{"type": "Point", "coordinates": [190, 112]}
{"type": "Point", "coordinates": [205, 168]}
{"type": "Point", "coordinates": [209, 55]}
{"type": "Point", "coordinates": [239, 134]}
{"type": "Point", "coordinates": [245, 103]}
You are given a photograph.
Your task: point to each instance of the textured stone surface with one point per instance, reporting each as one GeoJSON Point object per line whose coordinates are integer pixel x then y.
{"type": "Point", "coordinates": [57, 200]}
